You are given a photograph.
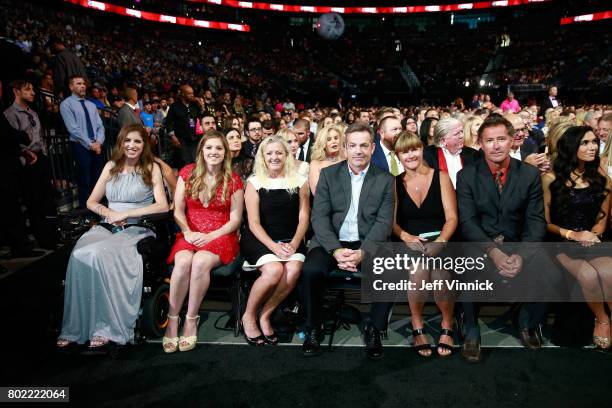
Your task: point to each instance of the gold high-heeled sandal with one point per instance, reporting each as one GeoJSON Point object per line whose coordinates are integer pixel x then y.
{"type": "Point", "coordinates": [191, 340]}
{"type": "Point", "coordinates": [171, 344]}
{"type": "Point", "coordinates": [601, 342]}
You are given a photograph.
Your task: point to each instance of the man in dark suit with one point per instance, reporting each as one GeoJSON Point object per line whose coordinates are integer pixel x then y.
{"type": "Point", "coordinates": [448, 153]}
{"type": "Point", "coordinates": [384, 155]}
{"type": "Point", "coordinates": [351, 214]}
{"type": "Point", "coordinates": [254, 134]}
{"type": "Point", "coordinates": [500, 201]}
{"type": "Point", "coordinates": [301, 128]}
{"type": "Point", "coordinates": [129, 113]}
{"type": "Point", "coordinates": [525, 149]}
{"type": "Point", "coordinates": [550, 101]}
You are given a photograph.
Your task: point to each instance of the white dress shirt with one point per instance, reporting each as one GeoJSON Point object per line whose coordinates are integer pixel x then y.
{"type": "Point", "coordinates": [305, 148]}
{"type": "Point", "coordinates": [453, 164]}
{"type": "Point", "coordinates": [388, 158]}
{"type": "Point", "coordinates": [516, 154]}
{"type": "Point", "coordinates": [553, 101]}
{"type": "Point", "coordinates": [349, 230]}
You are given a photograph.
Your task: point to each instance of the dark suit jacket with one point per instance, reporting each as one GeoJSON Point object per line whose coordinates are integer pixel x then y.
{"type": "Point", "coordinates": [546, 104]}
{"type": "Point", "coordinates": [310, 145]}
{"type": "Point", "coordinates": [517, 214]}
{"type": "Point", "coordinates": [430, 155]}
{"type": "Point", "coordinates": [127, 116]}
{"type": "Point", "coordinates": [528, 148]}
{"type": "Point", "coordinates": [378, 157]}
{"type": "Point", "coordinates": [332, 202]}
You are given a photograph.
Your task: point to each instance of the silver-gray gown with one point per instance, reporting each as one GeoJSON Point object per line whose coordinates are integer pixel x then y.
{"type": "Point", "coordinates": [104, 276]}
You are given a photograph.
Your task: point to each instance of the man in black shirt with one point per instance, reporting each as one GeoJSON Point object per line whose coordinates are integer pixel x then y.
{"type": "Point", "coordinates": [181, 127]}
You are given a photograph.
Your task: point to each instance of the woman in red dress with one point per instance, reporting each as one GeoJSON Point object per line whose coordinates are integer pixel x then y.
{"type": "Point", "coordinates": [208, 205]}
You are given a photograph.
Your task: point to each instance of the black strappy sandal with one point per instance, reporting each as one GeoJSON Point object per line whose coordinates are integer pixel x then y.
{"type": "Point", "coordinates": [449, 333]}
{"type": "Point", "coordinates": [421, 347]}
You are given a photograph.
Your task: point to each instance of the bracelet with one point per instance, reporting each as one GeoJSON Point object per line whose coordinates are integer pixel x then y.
{"type": "Point", "coordinates": [568, 233]}
{"type": "Point", "coordinates": [440, 240]}
{"type": "Point", "coordinates": [334, 251]}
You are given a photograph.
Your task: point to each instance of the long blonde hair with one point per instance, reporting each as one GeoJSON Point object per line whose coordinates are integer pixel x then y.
{"type": "Point", "coordinates": [197, 180]}
{"type": "Point", "coordinates": [557, 129]}
{"type": "Point", "coordinates": [318, 149]}
{"type": "Point", "coordinates": [260, 168]}
{"type": "Point", "coordinates": [469, 139]}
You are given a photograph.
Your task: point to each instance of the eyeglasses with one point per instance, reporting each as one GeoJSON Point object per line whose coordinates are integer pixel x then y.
{"type": "Point", "coordinates": [258, 129]}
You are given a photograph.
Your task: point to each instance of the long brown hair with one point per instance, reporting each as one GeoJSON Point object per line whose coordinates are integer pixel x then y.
{"type": "Point", "coordinates": [197, 181]}
{"type": "Point", "coordinates": [146, 159]}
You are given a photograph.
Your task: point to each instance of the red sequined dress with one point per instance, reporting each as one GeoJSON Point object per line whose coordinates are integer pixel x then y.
{"type": "Point", "coordinates": [208, 219]}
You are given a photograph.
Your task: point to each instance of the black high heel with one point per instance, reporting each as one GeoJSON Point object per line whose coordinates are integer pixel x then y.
{"type": "Point", "coordinates": [421, 347]}
{"type": "Point", "coordinates": [271, 340]}
{"type": "Point", "coordinates": [449, 333]}
{"type": "Point", "coordinates": [255, 341]}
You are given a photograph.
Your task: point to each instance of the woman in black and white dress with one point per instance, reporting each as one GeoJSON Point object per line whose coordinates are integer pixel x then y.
{"type": "Point", "coordinates": [278, 211]}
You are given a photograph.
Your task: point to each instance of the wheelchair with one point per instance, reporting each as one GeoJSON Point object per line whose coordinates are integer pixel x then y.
{"type": "Point", "coordinates": [152, 320]}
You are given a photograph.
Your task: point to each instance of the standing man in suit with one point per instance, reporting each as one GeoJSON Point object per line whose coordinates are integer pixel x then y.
{"type": "Point", "coordinates": [86, 132]}
{"type": "Point", "coordinates": [525, 149]}
{"type": "Point", "coordinates": [129, 113]}
{"type": "Point", "coordinates": [500, 201]}
{"type": "Point", "coordinates": [301, 128]}
{"type": "Point", "coordinates": [550, 101]}
{"type": "Point", "coordinates": [448, 153]}
{"type": "Point", "coordinates": [384, 155]}
{"type": "Point", "coordinates": [351, 214]}
{"type": "Point", "coordinates": [181, 123]}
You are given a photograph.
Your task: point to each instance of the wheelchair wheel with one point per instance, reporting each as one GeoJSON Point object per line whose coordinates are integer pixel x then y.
{"type": "Point", "coordinates": [155, 312]}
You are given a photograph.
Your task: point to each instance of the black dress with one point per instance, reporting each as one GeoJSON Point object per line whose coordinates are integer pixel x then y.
{"type": "Point", "coordinates": [582, 215]}
{"type": "Point", "coordinates": [574, 321]}
{"type": "Point", "coordinates": [418, 220]}
{"type": "Point", "coordinates": [279, 216]}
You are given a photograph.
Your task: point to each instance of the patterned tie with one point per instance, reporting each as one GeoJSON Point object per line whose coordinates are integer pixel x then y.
{"type": "Point", "coordinates": [498, 181]}
{"type": "Point", "coordinates": [90, 130]}
{"type": "Point", "coordinates": [394, 167]}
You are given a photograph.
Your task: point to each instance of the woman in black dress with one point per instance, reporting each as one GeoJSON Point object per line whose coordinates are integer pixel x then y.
{"type": "Point", "coordinates": [426, 211]}
{"type": "Point", "coordinates": [577, 205]}
{"type": "Point", "coordinates": [278, 212]}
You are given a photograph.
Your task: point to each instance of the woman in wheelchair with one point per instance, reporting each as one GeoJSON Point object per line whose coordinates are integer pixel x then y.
{"type": "Point", "coordinates": [278, 212]}
{"type": "Point", "coordinates": [105, 272]}
{"type": "Point", "coordinates": [208, 205]}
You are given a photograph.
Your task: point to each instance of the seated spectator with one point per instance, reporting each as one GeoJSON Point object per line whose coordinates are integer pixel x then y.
{"type": "Point", "coordinates": [342, 236]}
{"type": "Point", "coordinates": [329, 148]}
{"type": "Point", "coordinates": [577, 204]}
{"type": "Point", "coordinates": [278, 213]}
{"type": "Point", "coordinates": [105, 273]}
{"type": "Point", "coordinates": [425, 203]}
{"type": "Point", "coordinates": [484, 217]}
{"type": "Point", "coordinates": [208, 205]}
{"type": "Point", "coordinates": [241, 163]}
{"type": "Point", "coordinates": [426, 131]}
{"type": "Point", "coordinates": [294, 145]}
{"type": "Point", "coordinates": [448, 153]}
{"type": "Point", "coordinates": [470, 132]}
